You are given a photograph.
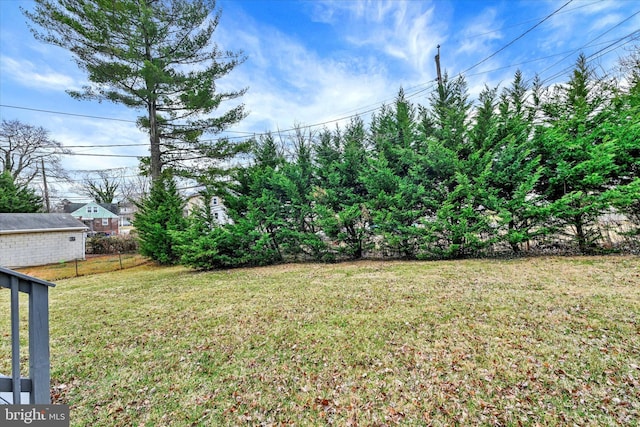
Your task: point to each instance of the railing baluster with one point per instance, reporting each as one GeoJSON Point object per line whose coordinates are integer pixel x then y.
{"type": "Point", "coordinates": [15, 340]}
{"type": "Point", "coordinates": [38, 382]}
{"type": "Point", "coordinates": [39, 345]}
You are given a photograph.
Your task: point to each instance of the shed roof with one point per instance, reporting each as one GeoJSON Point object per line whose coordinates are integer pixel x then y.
{"type": "Point", "coordinates": [31, 222]}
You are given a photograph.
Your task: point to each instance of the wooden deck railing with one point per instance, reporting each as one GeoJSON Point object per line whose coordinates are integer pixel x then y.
{"type": "Point", "coordinates": [38, 382]}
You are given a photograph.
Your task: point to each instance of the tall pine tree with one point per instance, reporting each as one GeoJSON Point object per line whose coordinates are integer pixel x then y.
{"type": "Point", "coordinates": [155, 56]}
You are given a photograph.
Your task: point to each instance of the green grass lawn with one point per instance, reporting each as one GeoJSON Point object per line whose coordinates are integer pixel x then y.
{"type": "Point", "coordinates": [540, 341]}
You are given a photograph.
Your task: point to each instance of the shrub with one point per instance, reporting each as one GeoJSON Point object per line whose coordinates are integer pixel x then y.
{"type": "Point", "coordinates": [112, 245]}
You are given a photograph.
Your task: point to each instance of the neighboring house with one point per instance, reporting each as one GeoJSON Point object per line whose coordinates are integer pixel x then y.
{"type": "Point", "coordinates": [29, 239]}
{"type": "Point", "coordinates": [127, 213]}
{"type": "Point", "coordinates": [218, 209]}
{"type": "Point", "coordinates": [127, 210]}
{"type": "Point", "coordinates": [98, 218]}
{"type": "Point", "coordinates": [69, 207]}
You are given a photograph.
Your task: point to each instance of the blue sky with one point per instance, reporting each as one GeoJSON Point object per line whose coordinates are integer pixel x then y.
{"type": "Point", "coordinates": [320, 61]}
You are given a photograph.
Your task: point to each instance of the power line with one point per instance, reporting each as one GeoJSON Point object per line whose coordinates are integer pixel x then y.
{"type": "Point", "coordinates": [66, 114]}
{"type": "Point", "coordinates": [591, 41]}
{"type": "Point", "coordinates": [17, 107]}
{"type": "Point", "coordinates": [530, 20]}
{"type": "Point", "coordinates": [357, 114]}
{"type": "Point", "coordinates": [570, 52]}
{"type": "Point", "coordinates": [102, 155]}
{"type": "Point", "coordinates": [468, 69]}
{"type": "Point", "coordinates": [74, 153]}
{"type": "Point", "coordinates": [244, 132]}
{"type": "Point", "coordinates": [428, 85]}
{"type": "Point", "coordinates": [517, 38]}
{"type": "Point", "coordinates": [597, 54]}
{"type": "Point", "coordinates": [71, 181]}
{"type": "Point", "coordinates": [381, 102]}
{"type": "Point", "coordinates": [105, 145]}
{"type": "Point", "coordinates": [122, 168]}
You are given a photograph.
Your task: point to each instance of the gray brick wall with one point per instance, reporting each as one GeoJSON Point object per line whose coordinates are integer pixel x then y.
{"type": "Point", "coordinates": [29, 249]}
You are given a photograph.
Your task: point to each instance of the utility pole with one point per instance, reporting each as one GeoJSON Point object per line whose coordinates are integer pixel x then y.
{"type": "Point", "coordinates": [46, 189]}
{"type": "Point", "coordinates": [438, 70]}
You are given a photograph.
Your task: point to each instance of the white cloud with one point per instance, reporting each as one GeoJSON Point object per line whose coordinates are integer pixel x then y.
{"type": "Point", "coordinates": [406, 30]}
{"type": "Point", "coordinates": [476, 37]}
{"type": "Point", "coordinates": [584, 21]}
{"type": "Point", "coordinates": [606, 21]}
{"type": "Point", "coordinates": [296, 77]}
{"type": "Point", "coordinates": [90, 132]}
{"type": "Point", "coordinates": [289, 83]}
{"type": "Point", "coordinates": [309, 89]}
{"type": "Point", "coordinates": [28, 74]}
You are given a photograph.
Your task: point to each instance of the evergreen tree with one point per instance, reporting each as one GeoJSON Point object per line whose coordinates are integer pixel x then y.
{"type": "Point", "coordinates": [267, 154]}
{"type": "Point", "coordinates": [261, 199]}
{"type": "Point", "coordinates": [207, 245]}
{"type": "Point", "coordinates": [515, 171]}
{"type": "Point", "coordinates": [623, 130]}
{"type": "Point", "coordinates": [454, 172]}
{"type": "Point", "coordinates": [451, 109]}
{"type": "Point", "coordinates": [393, 179]}
{"type": "Point", "coordinates": [16, 198]}
{"type": "Point", "coordinates": [160, 217]}
{"type": "Point", "coordinates": [157, 56]}
{"type": "Point", "coordinates": [578, 161]}
{"type": "Point", "coordinates": [295, 186]}
{"type": "Point", "coordinates": [340, 194]}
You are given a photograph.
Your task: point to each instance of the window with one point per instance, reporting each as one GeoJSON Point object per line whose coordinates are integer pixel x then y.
{"type": "Point", "coordinates": [105, 222]}
{"type": "Point", "coordinates": [88, 209]}
{"type": "Point", "coordinates": [214, 201]}
{"type": "Point", "coordinates": [215, 215]}
{"type": "Point", "coordinates": [95, 209]}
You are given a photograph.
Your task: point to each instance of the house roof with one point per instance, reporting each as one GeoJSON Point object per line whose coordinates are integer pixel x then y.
{"type": "Point", "coordinates": [72, 207]}
{"type": "Point", "coordinates": [11, 223]}
{"type": "Point", "coordinates": [101, 213]}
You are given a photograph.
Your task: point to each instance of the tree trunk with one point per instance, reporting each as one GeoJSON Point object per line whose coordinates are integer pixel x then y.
{"type": "Point", "coordinates": [154, 139]}
{"type": "Point", "coordinates": [515, 246]}
{"type": "Point", "coordinates": [154, 136]}
{"type": "Point", "coordinates": [580, 234]}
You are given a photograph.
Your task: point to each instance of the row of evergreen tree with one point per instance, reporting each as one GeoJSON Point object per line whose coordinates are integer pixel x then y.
{"type": "Point", "coordinates": [523, 165]}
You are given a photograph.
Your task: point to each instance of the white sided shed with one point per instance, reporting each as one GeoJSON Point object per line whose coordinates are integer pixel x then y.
{"type": "Point", "coordinates": [29, 239]}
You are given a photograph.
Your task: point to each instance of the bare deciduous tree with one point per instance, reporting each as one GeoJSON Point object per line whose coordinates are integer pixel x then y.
{"type": "Point", "coordinates": [24, 148]}
{"type": "Point", "coordinates": [135, 188]}
{"type": "Point", "coordinates": [113, 185]}
{"type": "Point", "coordinates": [102, 189]}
